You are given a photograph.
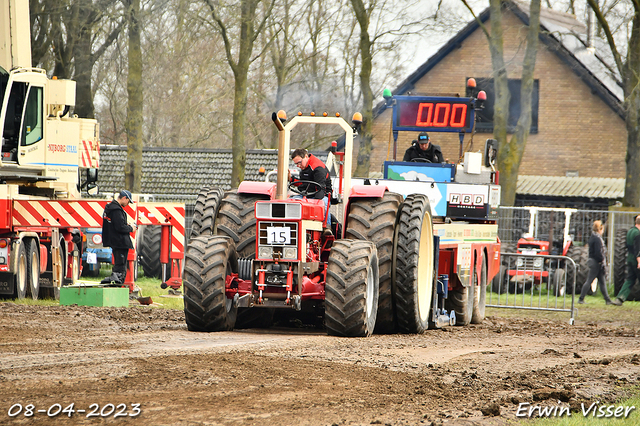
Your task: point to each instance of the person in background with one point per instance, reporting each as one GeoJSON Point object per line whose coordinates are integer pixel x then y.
{"type": "Point", "coordinates": [423, 150]}
{"type": "Point", "coordinates": [597, 263]}
{"type": "Point", "coordinates": [115, 234]}
{"type": "Point", "coordinates": [633, 262]}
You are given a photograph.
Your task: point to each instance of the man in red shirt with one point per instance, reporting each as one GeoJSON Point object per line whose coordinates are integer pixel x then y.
{"type": "Point", "coordinates": [313, 169]}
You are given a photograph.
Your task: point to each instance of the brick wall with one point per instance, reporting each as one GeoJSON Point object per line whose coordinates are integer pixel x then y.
{"type": "Point", "coordinates": [577, 131]}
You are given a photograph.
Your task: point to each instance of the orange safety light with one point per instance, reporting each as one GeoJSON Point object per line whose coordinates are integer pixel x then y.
{"type": "Point", "coordinates": [337, 114]}
{"type": "Point", "coordinates": [261, 170]}
{"type": "Point", "coordinates": [471, 83]}
{"type": "Point", "coordinates": [324, 114]}
{"type": "Point", "coordinates": [299, 112]}
{"type": "Point", "coordinates": [282, 115]}
{"type": "Point", "coordinates": [482, 95]}
{"type": "Point", "coordinates": [357, 118]}
{"type": "Point", "coordinates": [313, 114]}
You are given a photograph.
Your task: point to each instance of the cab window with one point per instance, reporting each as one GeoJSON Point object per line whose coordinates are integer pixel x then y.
{"type": "Point", "coordinates": [32, 123]}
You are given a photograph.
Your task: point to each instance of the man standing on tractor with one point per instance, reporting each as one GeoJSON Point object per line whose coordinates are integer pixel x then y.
{"type": "Point", "coordinates": [423, 150]}
{"type": "Point", "coordinates": [115, 234]}
{"type": "Point", "coordinates": [633, 262]}
{"type": "Point", "coordinates": [312, 169]}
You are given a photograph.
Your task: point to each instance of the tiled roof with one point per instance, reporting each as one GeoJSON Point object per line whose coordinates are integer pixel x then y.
{"type": "Point", "coordinates": [180, 173]}
{"type": "Point", "coordinates": [561, 186]}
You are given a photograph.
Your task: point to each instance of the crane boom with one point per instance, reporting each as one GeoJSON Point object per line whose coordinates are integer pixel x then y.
{"type": "Point", "coordinates": [15, 37]}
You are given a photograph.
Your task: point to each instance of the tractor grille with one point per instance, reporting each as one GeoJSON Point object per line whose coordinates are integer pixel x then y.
{"type": "Point", "coordinates": [278, 239]}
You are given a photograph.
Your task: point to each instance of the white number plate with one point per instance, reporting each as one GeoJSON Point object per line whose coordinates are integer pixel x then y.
{"type": "Point", "coordinates": [92, 258]}
{"type": "Point", "coordinates": [278, 235]}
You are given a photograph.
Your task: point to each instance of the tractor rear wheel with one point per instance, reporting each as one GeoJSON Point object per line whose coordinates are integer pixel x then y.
{"type": "Point", "coordinates": [375, 220]}
{"type": "Point", "coordinates": [236, 219]}
{"type": "Point", "coordinates": [619, 260]}
{"type": "Point", "coordinates": [414, 265]}
{"type": "Point", "coordinates": [205, 212]}
{"type": "Point", "coordinates": [150, 251]}
{"type": "Point", "coordinates": [480, 299]}
{"type": "Point", "coordinates": [351, 301]}
{"type": "Point", "coordinates": [580, 256]}
{"type": "Point", "coordinates": [208, 262]}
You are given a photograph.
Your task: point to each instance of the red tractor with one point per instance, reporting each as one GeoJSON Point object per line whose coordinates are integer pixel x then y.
{"type": "Point", "coordinates": [254, 250]}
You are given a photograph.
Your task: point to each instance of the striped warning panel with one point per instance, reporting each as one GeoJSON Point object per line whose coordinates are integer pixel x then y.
{"type": "Point", "coordinates": [81, 214]}
{"type": "Point", "coordinates": [158, 213]}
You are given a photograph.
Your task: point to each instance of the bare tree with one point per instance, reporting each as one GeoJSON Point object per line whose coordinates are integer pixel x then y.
{"type": "Point", "coordinates": [510, 151]}
{"type": "Point", "coordinates": [239, 57]}
{"type": "Point", "coordinates": [628, 67]}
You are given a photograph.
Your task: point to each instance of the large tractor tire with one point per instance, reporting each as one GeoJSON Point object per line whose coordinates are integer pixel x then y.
{"type": "Point", "coordinates": [480, 299]}
{"type": "Point", "coordinates": [208, 262]}
{"type": "Point", "coordinates": [205, 211]}
{"type": "Point", "coordinates": [619, 269]}
{"type": "Point", "coordinates": [150, 252]}
{"type": "Point", "coordinates": [375, 220]}
{"type": "Point", "coordinates": [580, 256]}
{"type": "Point", "coordinates": [236, 220]}
{"type": "Point", "coordinates": [414, 265]}
{"type": "Point", "coordinates": [351, 301]}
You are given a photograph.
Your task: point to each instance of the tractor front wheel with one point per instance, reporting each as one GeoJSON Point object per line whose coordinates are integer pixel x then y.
{"type": "Point", "coordinates": [351, 301]}
{"type": "Point", "coordinates": [209, 260]}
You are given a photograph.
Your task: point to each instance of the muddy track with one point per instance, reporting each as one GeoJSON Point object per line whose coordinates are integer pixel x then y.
{"type": "Point", "coordinates": [476, 375]}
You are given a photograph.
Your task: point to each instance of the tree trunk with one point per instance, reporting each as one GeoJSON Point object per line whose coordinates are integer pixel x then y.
{"type": "Point", "coordinates": [518, 141]}
{"type": "Point", "coordinates": [364, 153]}
{"type": "Point", "coordinates": [133, 166]}
{"type": "Point", "coordinates": [632, 107]}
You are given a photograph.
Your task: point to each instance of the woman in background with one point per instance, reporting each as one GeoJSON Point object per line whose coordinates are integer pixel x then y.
{"type": "Point", "coordinates": [597, 263]}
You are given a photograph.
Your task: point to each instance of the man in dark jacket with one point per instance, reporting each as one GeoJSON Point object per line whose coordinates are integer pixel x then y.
{"type": "Point", "coordinates": [633, 262]}
{"type": "Point", "coordinates": [115, 234]}
{"type": "Point", "coordinates": [423, 150]}
{"type": "Point", "coordinates": [313, 169]}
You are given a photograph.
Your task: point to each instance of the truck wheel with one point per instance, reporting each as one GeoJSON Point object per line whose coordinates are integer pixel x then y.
{"type": "Point", "coordinates": [236, 220]}
{"type": "Point", "coordinates": [54, 292]}
{"type": "Point", "coordinates": [375, 220]}
{"type": "Point", "coordinates": [150, 252]}
{"type": "Point", "coordinates": [33, 268]}
{"type": "Point", "coordinates": [21, 276]}
{"type": "Point", "coordinates": [461, 301]}
{"type": "Point", "coordinates": [414, 265]}
{"type": "Point", "coordinates": [209, 260]}
{"type": "Point", "coordinates": [619, 260]}
{"type": "Point", "coordinates": [351, 301]}
{"type": "Point", "coordinates": [205, 212]}
{"type": "Point", "coordinates": [480, 299]}
{"type": "Point", "coordinates": [500, 281]}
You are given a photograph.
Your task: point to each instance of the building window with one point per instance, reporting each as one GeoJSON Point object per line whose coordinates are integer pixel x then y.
{"type": "Point", "coordinates": [484, 118]}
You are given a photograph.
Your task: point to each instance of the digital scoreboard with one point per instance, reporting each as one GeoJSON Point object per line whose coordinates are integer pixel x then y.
{"type": "Point", "coordinates": [433, 114]}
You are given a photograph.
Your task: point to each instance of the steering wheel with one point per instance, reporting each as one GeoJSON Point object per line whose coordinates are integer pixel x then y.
{"type": "Point", "coordinates": [311, 188]}
{"type": "Point", "coordinates": [421, 160]}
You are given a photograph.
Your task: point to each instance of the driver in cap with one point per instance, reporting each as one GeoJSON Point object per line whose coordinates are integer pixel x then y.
{"type": "Point", "coordinates": [423, 150]}
{"type": "Point", "coordinates": [313, 169]}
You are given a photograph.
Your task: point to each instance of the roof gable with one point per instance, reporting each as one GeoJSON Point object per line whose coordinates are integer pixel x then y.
{"type": "Point", "coordinates": [561, 33]}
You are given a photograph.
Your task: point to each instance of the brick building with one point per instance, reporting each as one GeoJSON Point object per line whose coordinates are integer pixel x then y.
{"type": "Point", "coordinates": [578, 130]}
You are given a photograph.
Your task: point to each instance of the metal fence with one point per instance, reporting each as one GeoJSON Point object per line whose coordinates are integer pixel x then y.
{"type": "Point", "coordinates": [533, 281]}
{"type": "Point", "coordinates": [514, 222]}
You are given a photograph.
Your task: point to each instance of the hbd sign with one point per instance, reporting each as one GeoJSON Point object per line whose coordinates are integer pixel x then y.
{"type": "Point", "coordinates": [466, 199]}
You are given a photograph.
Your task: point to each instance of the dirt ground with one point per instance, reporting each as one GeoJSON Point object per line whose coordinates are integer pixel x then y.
{"type": "Point", "coordinates": [476, 375]}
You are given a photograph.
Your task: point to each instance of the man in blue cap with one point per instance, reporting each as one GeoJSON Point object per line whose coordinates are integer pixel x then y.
{"type": "Point", "coordinates": [115, 234]}
{"type": "Point", "coordinates": [423, 150]}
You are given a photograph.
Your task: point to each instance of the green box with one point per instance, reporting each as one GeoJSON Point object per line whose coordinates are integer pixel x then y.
{"type": "Point", "coordinates": [94, 296]}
